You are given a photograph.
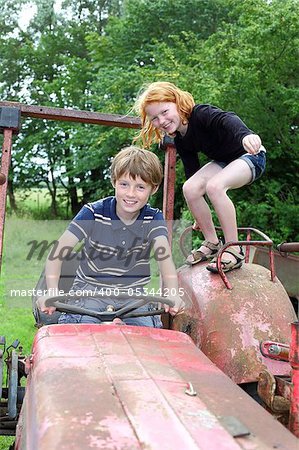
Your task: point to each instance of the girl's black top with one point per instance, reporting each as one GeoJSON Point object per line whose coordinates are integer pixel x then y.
{"type": "Point", "coordinates": [216, 133]}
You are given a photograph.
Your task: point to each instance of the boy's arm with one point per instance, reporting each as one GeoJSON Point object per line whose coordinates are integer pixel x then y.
{"type": "Point", "coordinates": [53, 267]}
{"type": "Point", "coordinates": [162, 253]}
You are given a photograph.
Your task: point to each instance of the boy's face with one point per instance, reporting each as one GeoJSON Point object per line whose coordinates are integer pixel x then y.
{"type": "Point", "coordinates": [131, 196]}
{"type": "Point", "coordinates": [164, 116]}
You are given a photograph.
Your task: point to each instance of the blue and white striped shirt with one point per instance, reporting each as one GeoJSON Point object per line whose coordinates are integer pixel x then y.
{"type": "Point", "coordinates": [116, 254]}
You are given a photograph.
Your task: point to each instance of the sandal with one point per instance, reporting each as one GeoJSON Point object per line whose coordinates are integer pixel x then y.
{"type": "Point", "coordinates": [228, 265]}
{"type": "Point", "coordinates": [199, 256]}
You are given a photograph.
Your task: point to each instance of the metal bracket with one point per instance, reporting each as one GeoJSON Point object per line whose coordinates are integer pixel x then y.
{"type": "Point", "coordinates": [234, 426]}
{"type": "Point", "coordinates": [266, 389]}
{"type": "Point", "coordinates": [10, 118]}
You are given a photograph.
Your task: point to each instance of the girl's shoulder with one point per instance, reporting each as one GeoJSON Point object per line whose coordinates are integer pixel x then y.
{"type": "Point", "coordinates": [205, 109]}
{"type": "Point", "coordinates": [206, 114]}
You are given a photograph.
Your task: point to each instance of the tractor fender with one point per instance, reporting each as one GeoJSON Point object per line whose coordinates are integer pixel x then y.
{"type": "Point", "coordinates": [229, 325]}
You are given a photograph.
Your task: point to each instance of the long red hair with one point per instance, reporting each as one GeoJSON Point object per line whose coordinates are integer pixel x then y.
{"type": "Point", "coordinates": [160, 91]}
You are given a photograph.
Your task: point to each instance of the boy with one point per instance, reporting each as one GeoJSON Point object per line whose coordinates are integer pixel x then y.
{"type": "Point", "coordinates": [119, 233]}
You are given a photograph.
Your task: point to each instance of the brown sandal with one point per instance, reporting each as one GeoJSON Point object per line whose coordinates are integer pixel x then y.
{"type": "Point", "coordinates": [199, 256]}
{"type": "Point", "coordinates": [228, 265]}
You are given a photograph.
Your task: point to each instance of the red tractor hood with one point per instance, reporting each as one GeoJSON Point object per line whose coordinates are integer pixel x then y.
{"type": "Point", "coordinates": [121, 387]}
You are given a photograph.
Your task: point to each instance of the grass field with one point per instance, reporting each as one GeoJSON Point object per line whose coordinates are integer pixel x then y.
{"type": "Point", "coordinates": [5, 442]}
{"type": "Point", "coordinates": [22, 265]}
{"type": "Point", "coordinates": [21, 271]}
{"type": "Point", "coordinates": [35, 203]}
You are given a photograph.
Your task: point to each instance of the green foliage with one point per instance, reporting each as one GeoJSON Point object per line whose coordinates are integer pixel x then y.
{"type": "Point", "coordinates": [95, 55]}
{"type": "Point", "coordinates": [276, 215]}
{"type": "Point", "coordinates": [5, 442]}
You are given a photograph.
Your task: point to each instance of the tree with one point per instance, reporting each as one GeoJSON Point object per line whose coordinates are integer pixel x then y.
{"type": "Point", "coordinates": [56, 62]}
{"type": "Point", "coordinates": [95, 55]}
{"type": "Point", "coordinates": [255, 62]}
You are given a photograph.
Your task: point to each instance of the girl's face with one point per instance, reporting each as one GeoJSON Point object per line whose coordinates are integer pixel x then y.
{"type": "Point", "coordinates": [165, 117]}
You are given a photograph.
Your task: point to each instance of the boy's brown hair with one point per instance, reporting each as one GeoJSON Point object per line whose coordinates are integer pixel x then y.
{"type": "Point", "coordinates": [137, 162]}
{"type": "Point", "coordinates": [161, 91]}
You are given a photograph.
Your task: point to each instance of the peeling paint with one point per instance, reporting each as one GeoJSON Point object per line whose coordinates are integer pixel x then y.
{"type": "Point", "coordinates": [234, 322]}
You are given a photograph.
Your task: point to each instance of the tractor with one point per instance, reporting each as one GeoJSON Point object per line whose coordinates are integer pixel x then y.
{"type": "Point", "coordinates": [221, 374]}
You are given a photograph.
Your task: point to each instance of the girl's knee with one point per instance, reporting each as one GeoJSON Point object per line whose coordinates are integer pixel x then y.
{"type": "Point", "coordinates": [214, 190]}
{"type": "Point", "coordinates": [193, 189]}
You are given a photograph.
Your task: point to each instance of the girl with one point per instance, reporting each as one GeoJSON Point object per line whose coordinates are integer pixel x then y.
{"type": "Point", "coordinates": [237, 158]}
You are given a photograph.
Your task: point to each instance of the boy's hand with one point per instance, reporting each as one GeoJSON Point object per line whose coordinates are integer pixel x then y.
{"type": "Point", "coordinates": [41, 305]}
{"type": "Point", "coordinates": [252, 143]}
{"type": "Point", "coordinates": [178, 305]}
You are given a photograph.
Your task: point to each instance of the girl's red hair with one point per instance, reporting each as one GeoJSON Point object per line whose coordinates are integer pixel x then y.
{"type": "Point", "coordinates": [161, 91]}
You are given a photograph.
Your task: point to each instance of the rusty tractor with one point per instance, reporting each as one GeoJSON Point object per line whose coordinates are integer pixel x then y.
{"type": "Point", "coordinates": [183, 386]}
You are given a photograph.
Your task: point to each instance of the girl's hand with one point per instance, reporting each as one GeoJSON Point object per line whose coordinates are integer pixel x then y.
{"type": "Point", "coordinates": [252, 143]}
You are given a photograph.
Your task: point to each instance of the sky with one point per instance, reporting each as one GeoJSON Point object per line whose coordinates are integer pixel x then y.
{"type": "Point", "coordinates": [28, 11]}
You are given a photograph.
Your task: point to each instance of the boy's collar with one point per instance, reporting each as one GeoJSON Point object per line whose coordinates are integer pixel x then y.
{"type": "Point", "coordinates": [117, 222]}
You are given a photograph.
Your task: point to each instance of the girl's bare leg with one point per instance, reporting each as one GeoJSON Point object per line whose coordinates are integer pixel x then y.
{"type": "Point", "coordinates": [233, 176]}
{"type": "Point", "coordinates": [194, 190]}
{"type": "Point", "coordinates": [215, 182]}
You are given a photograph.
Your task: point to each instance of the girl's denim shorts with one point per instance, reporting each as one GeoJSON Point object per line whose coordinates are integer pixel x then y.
{"type": "Point", "coordinates": [257, 163]}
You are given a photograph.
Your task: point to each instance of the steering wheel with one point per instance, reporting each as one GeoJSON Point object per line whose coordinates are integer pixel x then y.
{"type": "Point", "coordinates": [124, 312]}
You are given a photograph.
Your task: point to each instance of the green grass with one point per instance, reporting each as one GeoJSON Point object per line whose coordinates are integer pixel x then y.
{"type": "Point", "coordinates": [21, 272]}
{"type": "Point", "coordinates": [36, 203]}
{"type": "Point", "coordinates": [22, 265]}
{"type": "Point", "coordinates": [5, 442]}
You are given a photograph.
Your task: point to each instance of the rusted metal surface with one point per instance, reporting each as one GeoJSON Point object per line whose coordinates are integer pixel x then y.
{"type": "Point", "coordinates": [283, 387]}
{"type": "Point", "coordinates": [5, 163]}
{"type": "Point", "coordinates": [277, 405]}
{"type": "Point", "coordinates": [268, 243]}
{"type": "Point", "coordinates": [286, 247]}
{"type": "Point", "coordinates": [124, 387]}
{"type": "Point", "coordinates": [73, 115]}
{"type": "Point", "coordinates": [286, 266]}
{"type": "Point", "coordinates": [275, 350]}
{"type": "Point", "coordinates": [228, 325]}
{"type": "Point", "coordinates": [235, 427]}
{"type": "Point", "coordinates": [2, 178]}
{"type": "Point", "coordinates": [169, 187]}
{"type": "Point", "coordinates": [294, 361]}
{"type": "Point", "coordinates": [267, 392]}
{"type": "Point", "coordinates": [247, 244]}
